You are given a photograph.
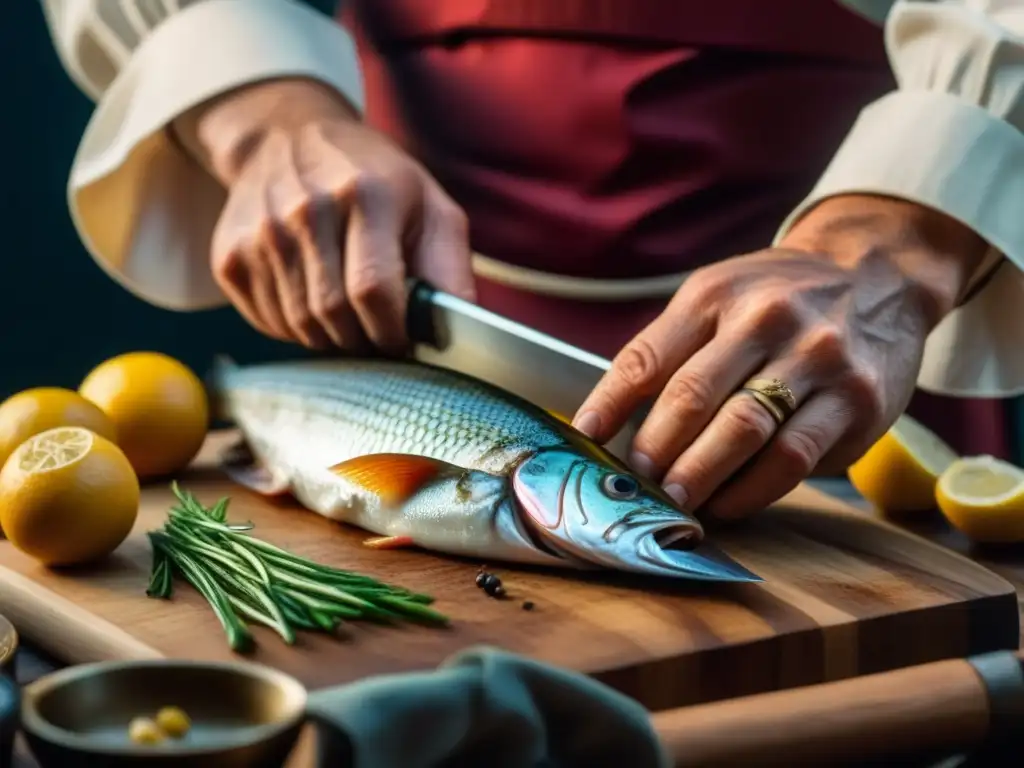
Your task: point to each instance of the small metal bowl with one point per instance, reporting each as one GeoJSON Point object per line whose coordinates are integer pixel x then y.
{"type": "Point", "coordinates": [242, 714]}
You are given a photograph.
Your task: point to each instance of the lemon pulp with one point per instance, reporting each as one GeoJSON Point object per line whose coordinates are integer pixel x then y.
{"type": "Point", "coordinates": [984, 497]}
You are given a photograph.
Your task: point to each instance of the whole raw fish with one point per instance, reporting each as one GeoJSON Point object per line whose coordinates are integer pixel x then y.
{"type": "Point", "coordinates": [428, 457]}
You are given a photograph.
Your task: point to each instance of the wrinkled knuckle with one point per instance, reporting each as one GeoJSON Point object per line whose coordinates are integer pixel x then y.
{"type": "Point", "coordinates": [825, 345]}
{"type": "Point", "coordinates": [771, 316]}
{"type": "Point", "coordinates": [372, 188]}
{"type": "Point", "coordinates": [689, 393]}
{"type": "Point", "coordinates": [302, 321]}
{"type": "Point", "coordinates": [772, 311]}
{"type": "Point", "coordinates": [638, 366]}
{"type": "Point", "coordinates": [369, 284]}
{"type": "Point", "coordinates": [381, 187]}
{"type": "Point", "coordinates": [800, 450]}
{"type": "Point", "coordinates": [330, 306]}
{"type": "Point", "coordinates": [228, 266]}
{"type": "Point", "coordinates": [454, 219]}
{"type": "Point", "coordinates": [749, 422]}
{"type": "Point", "coordinates": [366, 287]}
{"type": "Point", "coordinates": [303, 214]}
{"type": "Point", "coordinates": [276, 236]}
{"type": "Point", "coordinates": [704, 284]}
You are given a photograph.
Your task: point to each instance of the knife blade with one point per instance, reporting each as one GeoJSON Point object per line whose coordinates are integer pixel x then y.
{"type": "Point", "coordinates": [454, 333]}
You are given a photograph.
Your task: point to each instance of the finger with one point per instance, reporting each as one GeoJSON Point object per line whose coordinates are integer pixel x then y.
{"type": "Point", "coordinates": [741, 428]}
{"type": "Point", "coordinates": [264, 297]}
{"type": "Point", "coordinates": [288, 266]}
{"type": "Point", "coordinates": [232, 275]}
{"type": "Point", "coordinates": [792, 455]}
{"type": "Point", "coordinates": [641, 370]}
{"type": "Point", "coordinates": [375, 272]}
{"type": "Point", "coordinates": [238, 272]}
{"type": "Point", "coordinates": [287, 238]}
{"type": "Point", "coordinates": [691, 398]}
{"type": "Point", "coordinates": [325, 276]}
{"type": "Point", "coordinates": [442, 256]}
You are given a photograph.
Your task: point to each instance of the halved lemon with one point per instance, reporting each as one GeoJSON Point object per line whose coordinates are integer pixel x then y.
{"type": "Point", "coordinates": [898, 473]}
{"type": "Point", "coordinates": [984, 497]}
{"type": "Point", "coordinates": [36, 410]}
{"type": "Point", "coordinates": [68, 496]}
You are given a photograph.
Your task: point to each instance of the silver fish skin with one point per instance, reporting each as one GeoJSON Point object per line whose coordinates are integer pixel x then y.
{"type": "Point", "coordinates": [457, 466]}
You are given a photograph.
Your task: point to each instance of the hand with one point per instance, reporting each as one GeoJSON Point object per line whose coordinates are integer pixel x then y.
{"type": "Point", "coordinates": [839, 313]}
{"type": "Point", "coordinates": [324, 219]}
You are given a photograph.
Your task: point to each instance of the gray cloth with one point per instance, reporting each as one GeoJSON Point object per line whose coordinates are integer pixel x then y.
{"type": "Point", "coordinates": [483, 707]}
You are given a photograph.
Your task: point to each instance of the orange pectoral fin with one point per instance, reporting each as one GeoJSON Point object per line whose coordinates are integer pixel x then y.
{"type": "Point", "coordinates": [393, 477]}
{"type": "Point", "coordinates": [389, 542]}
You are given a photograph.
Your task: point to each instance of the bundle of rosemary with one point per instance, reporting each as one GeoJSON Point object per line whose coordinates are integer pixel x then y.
{"type": "Point", "coordinates": [243, 578]}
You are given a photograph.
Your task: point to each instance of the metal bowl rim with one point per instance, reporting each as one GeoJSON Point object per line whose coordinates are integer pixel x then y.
{"type": "Point", "coordinates": [7, 627]}
{"type": "Point", "coordinates": [37, 726]}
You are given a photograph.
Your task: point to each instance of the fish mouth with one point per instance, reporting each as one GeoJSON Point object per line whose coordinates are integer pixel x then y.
{"type": "Point", "coordinates": [676, 550]}
{"type": "Point", "coordinates": [667, 547]}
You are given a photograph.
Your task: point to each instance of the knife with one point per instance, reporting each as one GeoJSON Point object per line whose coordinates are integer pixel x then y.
{"type": "Point", "coordinates": [451, 332]}
{"type": "Point", "coordinates": [454, 333]}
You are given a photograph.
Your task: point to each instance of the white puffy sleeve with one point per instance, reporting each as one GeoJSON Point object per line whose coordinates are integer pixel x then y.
{"type": "Point", "coordinates": [950, 138]}
{"type": "Point", "coordinates": [144, 209]}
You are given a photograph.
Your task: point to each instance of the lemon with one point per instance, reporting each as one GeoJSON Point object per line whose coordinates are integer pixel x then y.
{"type": "Point", "coordinates": [898, 473]}
{"type": "Point", "coordinates": [67, 496]}
{"type": "Point", "coordinates": [158, 406]}
{"type": "Point", "coordinates": [984, 497]}
{"type": "Point", "coordinates": [36, 410]}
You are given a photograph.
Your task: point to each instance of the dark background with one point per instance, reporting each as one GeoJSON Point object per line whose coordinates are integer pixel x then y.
{"type": "Point", "coordinates": [59, 313]}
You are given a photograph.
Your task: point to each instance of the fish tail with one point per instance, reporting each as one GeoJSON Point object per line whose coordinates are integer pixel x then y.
{"type": "Point", "coordinates": [215, 382]}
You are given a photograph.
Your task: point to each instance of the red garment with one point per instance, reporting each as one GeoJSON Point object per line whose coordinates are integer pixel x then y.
{"type": "Point", "coordinates": [616, 138]}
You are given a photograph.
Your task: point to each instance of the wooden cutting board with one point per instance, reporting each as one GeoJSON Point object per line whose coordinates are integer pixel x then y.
{"type": "Point", "coordinates": [844, 595]}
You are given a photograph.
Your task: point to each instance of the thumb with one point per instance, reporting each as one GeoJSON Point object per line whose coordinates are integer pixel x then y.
{"type": "Point", "coordinates": [442, 256]}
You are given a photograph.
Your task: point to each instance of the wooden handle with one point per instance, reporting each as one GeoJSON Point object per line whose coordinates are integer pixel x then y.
{"type": "Point", "coordinates": [943, 705]}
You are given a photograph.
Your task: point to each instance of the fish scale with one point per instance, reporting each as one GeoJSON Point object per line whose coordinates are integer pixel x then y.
{"type": "Point", "coordinates": [396, 407]}
{"type": "Point", "coordinates": [432, 458]}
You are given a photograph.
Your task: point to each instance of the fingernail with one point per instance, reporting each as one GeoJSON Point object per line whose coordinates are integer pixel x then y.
{"type": "Point", "coordinates": [588, 423]}
{"type": "Point", "coordinates": [676, 492]}
{"type": "Point", "coordinates": [641, 463]}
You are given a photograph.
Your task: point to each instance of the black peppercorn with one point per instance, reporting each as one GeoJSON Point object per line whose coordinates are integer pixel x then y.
{"type": "Point", "coordinates": [527, 605]}
{"type": "Point", "coordinates": [487, 582]}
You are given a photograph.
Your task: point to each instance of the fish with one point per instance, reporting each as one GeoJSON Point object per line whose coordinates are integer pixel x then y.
{"type": "Point", "coordinates": [426, 457]}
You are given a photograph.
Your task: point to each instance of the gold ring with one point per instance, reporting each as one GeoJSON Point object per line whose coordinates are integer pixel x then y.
{"type": "Point", "coordinates": [774, 395]}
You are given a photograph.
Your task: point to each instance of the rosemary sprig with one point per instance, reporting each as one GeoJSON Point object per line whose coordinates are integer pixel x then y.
{"type": "Point", "coordinates": [245, 578]}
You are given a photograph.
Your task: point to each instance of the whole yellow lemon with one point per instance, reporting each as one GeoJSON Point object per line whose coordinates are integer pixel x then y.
{"type": "Point", "coordinates": [158, 406]}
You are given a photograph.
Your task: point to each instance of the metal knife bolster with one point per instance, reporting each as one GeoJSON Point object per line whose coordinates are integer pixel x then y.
{"type": "Point", "coordinates": [457, 334]}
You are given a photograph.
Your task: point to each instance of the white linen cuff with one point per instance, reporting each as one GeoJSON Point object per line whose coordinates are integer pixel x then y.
{"type": "Point", "coordinates": [156, 242]}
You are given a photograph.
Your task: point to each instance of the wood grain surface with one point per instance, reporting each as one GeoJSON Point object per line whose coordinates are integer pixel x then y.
{"type": "Point", "coordinates": [844, 595]}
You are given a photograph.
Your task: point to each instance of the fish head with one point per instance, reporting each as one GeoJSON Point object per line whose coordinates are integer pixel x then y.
{"type": "Point", "coordinates": [587, 508]}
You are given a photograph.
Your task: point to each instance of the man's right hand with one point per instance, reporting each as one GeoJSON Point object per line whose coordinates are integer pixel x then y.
{"type": "Point", "coordinates": [325, 218]}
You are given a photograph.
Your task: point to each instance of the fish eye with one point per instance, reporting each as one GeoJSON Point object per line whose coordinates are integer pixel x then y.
{"type": "Point", "coordinates": [620, 486]}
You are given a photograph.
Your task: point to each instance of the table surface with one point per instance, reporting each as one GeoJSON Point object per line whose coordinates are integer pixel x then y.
{"type": "Point", "coordinates": [1009, 563]}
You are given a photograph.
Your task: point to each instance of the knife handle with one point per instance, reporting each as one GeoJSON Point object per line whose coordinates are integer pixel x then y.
{"type": "Point", "coordinates": [419, 314]}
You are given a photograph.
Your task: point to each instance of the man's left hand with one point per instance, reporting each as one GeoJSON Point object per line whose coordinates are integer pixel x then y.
{"type": "Point", "coordinates": [839, 313]}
